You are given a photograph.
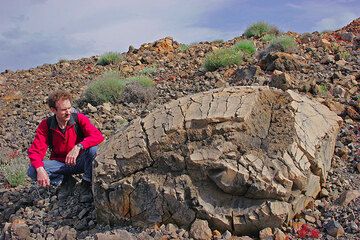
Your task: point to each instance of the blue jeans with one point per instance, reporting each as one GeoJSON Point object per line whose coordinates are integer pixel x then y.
{"type": "Point", "coordinates": [56, 170]}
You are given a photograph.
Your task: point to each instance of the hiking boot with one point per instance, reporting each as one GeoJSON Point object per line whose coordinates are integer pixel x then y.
{"type": "Point", "coordinates": [66, 187]}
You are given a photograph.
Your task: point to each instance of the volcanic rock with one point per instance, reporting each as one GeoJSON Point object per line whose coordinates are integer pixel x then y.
{"type": "Point", "coordinates": [242, 158]}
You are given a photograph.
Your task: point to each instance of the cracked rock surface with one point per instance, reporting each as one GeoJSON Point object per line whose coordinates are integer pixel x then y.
{"type": "Point", "coordinates": [242, 158]}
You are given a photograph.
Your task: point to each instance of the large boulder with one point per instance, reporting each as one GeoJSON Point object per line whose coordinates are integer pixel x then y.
{"type": "Point", "coordinates": [242, 158]}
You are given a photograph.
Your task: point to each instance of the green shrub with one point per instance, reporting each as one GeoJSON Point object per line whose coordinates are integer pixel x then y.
{"type": "Point", "coordinates": [218, 41]}
{"type": "Point", "coordinates": [107, 58]}
{"type": "Point", "coordinates": [110, 86]}
{"type": "Point", "coordinates": [14, 170]}
{"type": "Point", "coordinates": [283, 44]}
{"type": "Point", "coordinates": [106, 88]}
{"type": "Point", "coordinates": [268, 38]}
{"type": "Point", "coordinates": [222, 58]}
{"type": "Point", "coordinates": [345, 55]}
{"type": "Point", "coordinates": [143, 80]}
{"type": "Point", "coordinates": [259, 29]}
{"type": "Point", "coordinates": [183, 47]}
{"type": "Point", "coordinates": [245, 46]}
{"type": "Point", "coordinates": [148, 71]}
{"type": "Point", "coordinates": [322, 89]}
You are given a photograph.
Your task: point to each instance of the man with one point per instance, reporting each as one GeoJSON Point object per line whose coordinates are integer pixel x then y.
{"type": "Point", "coordinates": [71, 152]}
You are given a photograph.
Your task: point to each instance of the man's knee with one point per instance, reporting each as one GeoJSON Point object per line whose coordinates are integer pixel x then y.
{"type": "Point", "coordinates": [92, 151]}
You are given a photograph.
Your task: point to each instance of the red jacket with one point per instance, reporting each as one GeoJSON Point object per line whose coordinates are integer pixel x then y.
{"type": "Point", "coordinates": [62, 143]}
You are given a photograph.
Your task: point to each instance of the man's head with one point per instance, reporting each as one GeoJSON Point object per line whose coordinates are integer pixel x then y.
{"type": "Point", "coordinates": [60, 104]}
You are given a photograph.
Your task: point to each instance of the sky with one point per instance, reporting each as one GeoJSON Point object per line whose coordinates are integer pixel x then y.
{"type": "Point", "coordinates": [35, 32]}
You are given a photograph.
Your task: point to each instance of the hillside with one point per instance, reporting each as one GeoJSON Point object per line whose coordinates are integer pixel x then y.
{"type": "Point", "coordinates": [324, 66]}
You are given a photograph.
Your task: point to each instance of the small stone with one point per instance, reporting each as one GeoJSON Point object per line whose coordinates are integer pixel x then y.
{"type": "Point", "coordinates": [281, 80]}
{"type": "Point", "coordinates": [266, 233]}
{"type": "Point", "coordinates": [122, 234]}
{"type": "Point", "coordinates": [339, 92]}
{"type": "Point", "coordinates": [171, 228]}
{"type": "Point", "coordinates": [348, 196]}
{"type": "Point", "coordinates": [324, 192]}
{"type": "Point", "coordinates": [347, 36]}
{"type": "Point", "coordinates": [324, 43]}
{"type": "Point", "coordinates": [82, 213]}
{"type": "Point", "coordinates": [216, 234]}
{"type": "Point", "coordinates": [91, 108]}
{"type": "Point", "coordinates": [354, 226]}
{"type": "Point", "coordinates": [279, 235]}
{"type": "Point", "coordinates": [341, 62]}
{"type": "Point", "coordinates": [333, 228]}
{"type": "Point", "coordinates": [21, 230]}
{"type": "Point", "coordinates": [200, 230]}
{"type": "Point", "coordinates": [358, 167]}
{"type": "Point", "coordinates": [310, 218]}
{"type": "Point", "coordinates": [352, 113]}
{"type": "Point", "coordinates": [106, 107]}
{"type": "Point", "coordinates": [226, 235]}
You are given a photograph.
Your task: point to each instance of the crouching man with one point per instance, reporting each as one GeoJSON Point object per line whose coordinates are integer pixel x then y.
{"type": "Point", "coordinates": [72, 140]}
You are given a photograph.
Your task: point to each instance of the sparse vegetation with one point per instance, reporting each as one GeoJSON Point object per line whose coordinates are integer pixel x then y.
{"type": "Point", "coordinates": [110, 86]}
{"type": "Point", "coordinates": [14, 170]}
{"type": "Point", "coordinates": [108, 58]}
{"type": "Point", "coordinates": [322, 88]}
{"type": "Point", "coordinates": [63, 60]}
{"type": "Point", "coordinates": [218, 41]}
{"type": "Point", "coordinates": [259, 29]}
{"type": "Point", "coordinates": [148, 71]}
{"type": "Point", "coordinates": [222, 58]}
{"type": "Point", "coordinates": [268, 38]}
{"type": "Point", "coordinates": [245, 46]}
{"type": "Point", "coordinates": [345, 54]}
{"type": "Point", "coordinates": [283, 43]}
{"type": "Point", "coordinates": [183, 47]}
{"type": "Point", "coordinates": [143, 80]}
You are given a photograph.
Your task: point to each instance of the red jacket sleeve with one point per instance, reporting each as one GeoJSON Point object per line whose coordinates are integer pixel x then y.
{"type": "Point", "coordinates": [38, 148]}
{"type": "Point", "coordinates": [92, 135]}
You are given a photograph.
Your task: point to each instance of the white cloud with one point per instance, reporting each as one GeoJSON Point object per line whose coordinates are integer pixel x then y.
{"type": "Point", "coordinates": [333, 23]}
{"type": "Point", "coordinates": [47, 28]}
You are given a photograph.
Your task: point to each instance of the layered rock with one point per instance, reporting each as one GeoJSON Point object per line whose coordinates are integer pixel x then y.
{"type": "Point", "coordinates": [242, 158]}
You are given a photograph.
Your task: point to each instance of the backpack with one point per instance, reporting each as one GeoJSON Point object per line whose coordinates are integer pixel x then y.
{"type": "Point", "coordinates": [78, 130]}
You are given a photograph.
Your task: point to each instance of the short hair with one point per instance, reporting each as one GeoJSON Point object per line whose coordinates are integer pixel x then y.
{"type": "Point", "coordinates": [56, 96]}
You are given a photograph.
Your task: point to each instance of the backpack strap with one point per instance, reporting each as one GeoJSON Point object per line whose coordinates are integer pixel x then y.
{"type": "Point", "coordinates": [77, 127]}
{"type": "Point", "coordinates": [51, 120]}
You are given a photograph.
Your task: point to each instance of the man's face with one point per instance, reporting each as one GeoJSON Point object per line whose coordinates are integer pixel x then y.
{"type": "Point", "coordinates": [62, 110]}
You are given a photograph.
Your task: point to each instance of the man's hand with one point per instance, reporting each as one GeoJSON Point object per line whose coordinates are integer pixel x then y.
{"type": "Point", "coordinates": [42, 177]}
{"type": "Point", "coordinates": [72, 155]}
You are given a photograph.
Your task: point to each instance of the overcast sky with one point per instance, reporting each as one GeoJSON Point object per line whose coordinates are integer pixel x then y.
{"type": "Point", "coordinates": [34, 32]}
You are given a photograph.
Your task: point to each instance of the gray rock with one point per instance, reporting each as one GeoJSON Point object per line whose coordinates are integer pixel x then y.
{"type": "Point", "coordinates": [347, 36]}
{"type": "Point", "coordinates": [119, 235]}
{"type": "Point", "coordinates": [200, 230]}
{"type": "Point", "coordinates": [65, 233]}
{"type": "Point", "coordinates": [21, 230]}
{"type": "Point", "coordinates": [348, 196]}
{"type": "Point", "coordinates": [333, 228]}
{"type": "Point", "coordinates": [226, 235]}
{"type": "Point", "coordinates": [282, 80]}
{"type": "Point", "coordinates": [281, 61]}
{"type": "Point", "coordinates": [243, 148]}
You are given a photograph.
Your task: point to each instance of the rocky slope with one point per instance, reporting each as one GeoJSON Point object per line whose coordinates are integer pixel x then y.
{"type": "Point", "coordinates": [325, 67]}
